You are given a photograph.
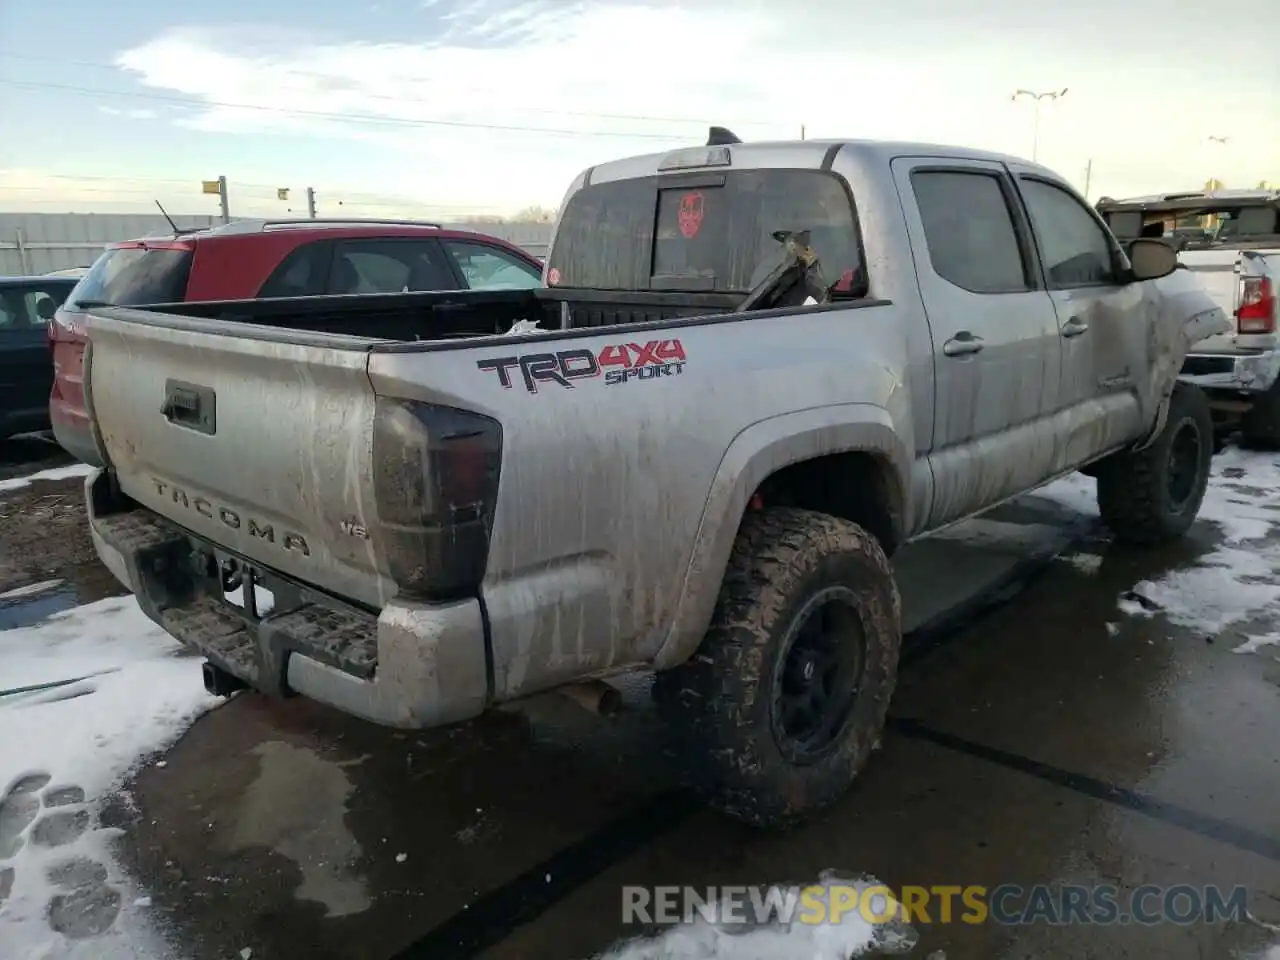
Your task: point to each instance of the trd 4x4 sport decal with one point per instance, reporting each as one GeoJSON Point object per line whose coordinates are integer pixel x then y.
{"type": "Point", "coordinates": [618, 363]}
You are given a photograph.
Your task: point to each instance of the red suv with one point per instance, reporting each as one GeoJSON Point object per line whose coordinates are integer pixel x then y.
{"type": "Point", "coordinates": [272, 258]}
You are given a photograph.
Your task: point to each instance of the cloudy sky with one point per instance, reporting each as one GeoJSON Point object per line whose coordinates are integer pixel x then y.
{"type": "Point", "coordinates": [415, 106]}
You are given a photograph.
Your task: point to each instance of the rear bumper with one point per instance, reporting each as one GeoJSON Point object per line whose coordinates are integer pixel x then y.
{"type": "Point", "coordinates": [413, 665]}
{"type": "Point", "coordinates": [72, 431]}
{"type": "Point", "coordinates": [1243, 376]}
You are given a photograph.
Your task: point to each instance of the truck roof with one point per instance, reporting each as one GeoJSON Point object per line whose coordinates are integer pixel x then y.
{"type": "Point", "coordinates": [795, 153]}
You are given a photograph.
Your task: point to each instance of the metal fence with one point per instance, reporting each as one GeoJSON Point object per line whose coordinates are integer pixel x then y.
{"type": "Point", "coordinates": [36, 243]}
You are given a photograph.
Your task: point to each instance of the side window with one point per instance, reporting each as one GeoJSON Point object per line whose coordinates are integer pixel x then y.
{"type": "Point", "coordinates": [41, 304]}
{"type": "Point", "coordinates": [486, 267]}
{"type": "Point", "coordinates": [389, 266]}
{"type": "Point", "coordinates": [303, 273]}
{"type": "Point", "coordinates": [12, 311]}
{"type": "Point", "coordinates": [1076, 251]}
{"type": "Point", "coordinates": [970, 232]}
{"type": "Point", "coordinates": [27, 308]}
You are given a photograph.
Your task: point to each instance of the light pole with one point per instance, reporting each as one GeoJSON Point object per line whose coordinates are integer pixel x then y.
{"type": "Point", "coordinates": [1214, 183]}
{"type": "Point", "coordinates": [1037, 96]}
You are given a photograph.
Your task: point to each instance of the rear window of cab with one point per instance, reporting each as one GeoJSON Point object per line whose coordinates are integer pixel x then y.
{"type": "Point", "coordinates": [704, 232]}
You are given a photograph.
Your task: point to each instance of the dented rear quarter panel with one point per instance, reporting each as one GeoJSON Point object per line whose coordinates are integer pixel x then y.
{"type": "Point", "coordinates": [618, 503]}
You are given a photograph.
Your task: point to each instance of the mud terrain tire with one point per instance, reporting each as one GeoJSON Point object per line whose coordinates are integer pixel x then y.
{"type": "Point", "coordinates": [1152, 496]}
{"type": "Point", "coordinates": [808, 614]}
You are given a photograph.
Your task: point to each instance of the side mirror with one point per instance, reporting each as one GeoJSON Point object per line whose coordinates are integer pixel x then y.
{"type": "Point", "coordinates": [46, 308]}
{"type": "Point", "coordinates": [1151, 259]}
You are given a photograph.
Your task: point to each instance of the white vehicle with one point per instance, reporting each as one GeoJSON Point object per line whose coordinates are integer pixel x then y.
{"type": "Point", "coordinates": [1231, 240]}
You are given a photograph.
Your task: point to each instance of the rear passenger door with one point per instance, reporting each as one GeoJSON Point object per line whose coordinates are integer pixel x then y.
{"type": "Point", "coordinates": [26, 368]}
{"type": "Point", "coordinates": [997, 353]}
{"type": "Point", "coordinates": [1100, 320]}
{"type": "Point", "coordinates": [303, 273]}
{"type": "Point", "coordinates": [390, 266]}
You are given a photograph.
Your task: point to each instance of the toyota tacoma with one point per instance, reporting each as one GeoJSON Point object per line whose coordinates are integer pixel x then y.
{"type": "Point", "coordinates": [753, 373]}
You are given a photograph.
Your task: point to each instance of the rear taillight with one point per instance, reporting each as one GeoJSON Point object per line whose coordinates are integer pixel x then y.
{"type": "Point", "coordinates": [435, 488]}
{"type": "Point", "coordinates": [61, 323]}
{"type": "Point", "coordinates": [1257, 310]}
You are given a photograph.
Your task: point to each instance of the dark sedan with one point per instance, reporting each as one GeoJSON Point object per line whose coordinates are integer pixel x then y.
{"type": "Point", "coordinates": [27, 305]}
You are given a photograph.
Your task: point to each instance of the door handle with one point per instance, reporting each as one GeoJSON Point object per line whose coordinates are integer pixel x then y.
{"type": "Point", "coordinates": [962, 344]}
{"type": "Point", "coordinates": [1074, 327]}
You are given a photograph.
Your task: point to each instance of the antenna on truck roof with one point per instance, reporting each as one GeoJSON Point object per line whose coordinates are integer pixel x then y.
{"type": "Point", "coordinates": [720, 136]}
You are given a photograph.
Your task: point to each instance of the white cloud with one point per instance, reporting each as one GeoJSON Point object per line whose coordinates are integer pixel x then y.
{"type": "Point", "coordinates": [129, 114]}
{"type": "Point", "coordinates": [762, 68]}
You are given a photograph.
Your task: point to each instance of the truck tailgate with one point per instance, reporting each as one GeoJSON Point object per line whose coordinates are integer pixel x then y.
{"type": "Point", "coordinates": [257, 439]}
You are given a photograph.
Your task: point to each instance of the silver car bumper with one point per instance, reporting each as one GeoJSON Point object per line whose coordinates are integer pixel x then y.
{"type": "Point", "coordinates": [411, 665]}
{"type": "Point", "coordinates": [1245, 373]}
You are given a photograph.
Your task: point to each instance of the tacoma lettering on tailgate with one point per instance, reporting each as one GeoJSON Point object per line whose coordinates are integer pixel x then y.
{"type": "Point", "coordinates": [285, 539]}
{"type": "Point", "coordinates": [618, 363]}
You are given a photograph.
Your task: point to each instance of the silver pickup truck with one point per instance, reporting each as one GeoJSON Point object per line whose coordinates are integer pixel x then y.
{"type": "Point", "coordinates": [755, 371]}
{"type": "Point", "coordinates": [1231, 240]}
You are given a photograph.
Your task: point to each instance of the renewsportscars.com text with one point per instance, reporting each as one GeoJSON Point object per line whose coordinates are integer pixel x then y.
{"type": "Point", "coordinates": [1007, 904]}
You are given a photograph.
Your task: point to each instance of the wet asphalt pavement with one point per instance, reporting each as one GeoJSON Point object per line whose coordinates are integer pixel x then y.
{"type": "Point", "coordinates": [28, 453]}
{"type": "Point", "coordinates": [1037, 736]}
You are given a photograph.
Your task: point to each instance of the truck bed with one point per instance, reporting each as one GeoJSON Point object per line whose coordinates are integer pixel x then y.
{"type": "Point", "coordinates": [256, 423]}
{"type": "Point", "coordinates": [438, 315]}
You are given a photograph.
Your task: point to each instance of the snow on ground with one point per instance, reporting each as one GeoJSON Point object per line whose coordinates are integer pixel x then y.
{"type": "Point", "coordinates": [1255, 645]}
{"type": "Point", "coordinates": [64, 747]}
{"type": "Point", "coordinates": [852, 935]}
{"type": "Point", "coordinates": [1235, 583]}
{"type": "Point", "coordinates": [56, 473]}
{"type": "Point", "coordinates": [99, 688]}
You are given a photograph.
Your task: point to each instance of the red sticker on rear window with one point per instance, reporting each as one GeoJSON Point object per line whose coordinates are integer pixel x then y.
{"type": "Point", "coordinates": [690, 215]}
{"type": "Point", "coordinates": [553, 276]}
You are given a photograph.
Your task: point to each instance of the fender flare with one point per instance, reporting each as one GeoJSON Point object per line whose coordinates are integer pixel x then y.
{"type": "Point", "coordinates": [1162, 415]}
{"type": "Point", "coordinates": [758, 451]}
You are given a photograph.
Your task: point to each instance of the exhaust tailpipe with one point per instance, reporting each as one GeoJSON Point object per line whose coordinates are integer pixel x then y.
{"type": "Point", "coordinates": [594, 695]}
{"type": "Point", "coordinates": [220, 683]}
